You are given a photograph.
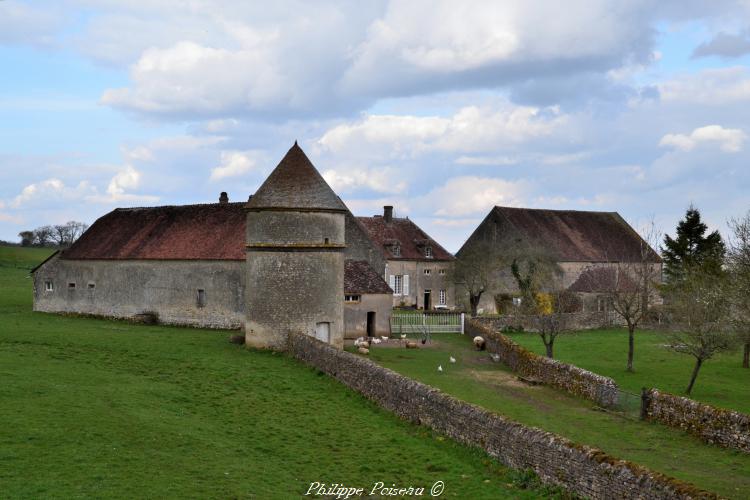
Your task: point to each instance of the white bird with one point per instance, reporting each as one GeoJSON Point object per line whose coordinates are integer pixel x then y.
{"type": "Point", "coordinates": [440, 368]}
{"type": "Point", "coordinates": [453, 360]}
{"type": "Point", "coordinates": [403, 335]}
{"type": "Point", "coordinates": [384, 337]}
{"type": "Point", "coordinates": [358, 341]}
{"type": "Point", "coordinates": [376, 341]}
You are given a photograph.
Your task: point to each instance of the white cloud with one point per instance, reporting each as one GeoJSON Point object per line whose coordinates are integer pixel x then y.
{"type": "Point", "coordinates": [49, 191]}
{"type": "Point", "coordinates": [729, 140]}
{"type": "Point", "coordinates": [470, 129]}
{"type": "Point", "coordinates": [20, 23]}
{"type": "Point", "coordinates": [470, 195]}
{"type": "Point", "coordinates": [127, 179]}
{"type": "Point", "coordinates": [711, 86]}
{"type": "Point", "coordinates": [233, 164]}
{"type": "Point", "coordinates": [382, 180]}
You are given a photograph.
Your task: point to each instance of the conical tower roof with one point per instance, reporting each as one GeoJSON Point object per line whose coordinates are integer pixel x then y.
{"type": "Point", "coordinates": [295, 183]}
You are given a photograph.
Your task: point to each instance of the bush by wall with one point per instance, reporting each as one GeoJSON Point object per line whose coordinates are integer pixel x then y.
{"type": "Point", "coordinates": [726, 428]}
{"type": "Point", "coordinates": [572, 379]}
{"type": "Point", "coordinates": [580, 469]}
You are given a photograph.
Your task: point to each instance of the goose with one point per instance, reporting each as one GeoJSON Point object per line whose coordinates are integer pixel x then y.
{"type": "Point", "coordinates": [452, 359]}
{"type": "Point", "coordinates": [440, 368]}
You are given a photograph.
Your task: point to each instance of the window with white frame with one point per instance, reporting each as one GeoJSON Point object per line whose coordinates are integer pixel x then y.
{"type": "Point", "coordinates": [396, 249]}
{"type": "Point", "coordinates": [49, 286]}
{"type": "Point", "coordinates": [427, 272]}
{"type": "Point", "coordinates": [397, 284]}
{"type": "Point", "coordinates": [428, 252]}
{"type": "Point", "coordinates": [441, 272]}
{"type": "Point", "coordinates": [352, 299]}
{"type": "Point", "coordinates": [441, 298]}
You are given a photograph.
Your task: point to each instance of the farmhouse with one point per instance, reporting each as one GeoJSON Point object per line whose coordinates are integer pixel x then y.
{"type": "Point", "coordinates": [416, 266]}
{"type": "Point", "coordinates": [588, 246]}
{"type": "Point", "coordinates": [292, 258]}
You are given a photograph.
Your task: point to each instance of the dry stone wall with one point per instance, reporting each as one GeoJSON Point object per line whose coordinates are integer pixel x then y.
{"type": "Point", "coordinates": [580, 469]}
{"type": "Point", "coordinates": [572, 379]}
{"type": "Point", "coordinates": [574, 321]}
{"type": "Point", "coordinates": [726, 428]}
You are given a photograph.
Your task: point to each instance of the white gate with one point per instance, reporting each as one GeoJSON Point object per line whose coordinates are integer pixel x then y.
{"type": "Point", "coordinates": [421, 322]}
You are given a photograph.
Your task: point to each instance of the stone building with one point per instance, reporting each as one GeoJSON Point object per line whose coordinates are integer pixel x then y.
{"type": "Point", "coordinates": [416, 266]}
{"type": "Point", "coordinates": [579, 241]}
{"type": "Point", "coordinates": [272, 265]}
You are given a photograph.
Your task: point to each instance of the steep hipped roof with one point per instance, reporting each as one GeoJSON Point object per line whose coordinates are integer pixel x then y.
{"type": "Point", "coordinates": [213, 231]}
{"type": "Point", "coordinates": [410, 238]}
{"type": "Point", "coordinates": [295, 183]}
{"type": "Point", "coordinates": [359, 277]}
{"type": "Point", "coordinates": [578, 236]}
{"type": "Point", "coordinates": [602, 280]}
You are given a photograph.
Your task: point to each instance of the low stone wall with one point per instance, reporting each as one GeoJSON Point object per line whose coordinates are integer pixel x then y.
{"type": "Point", "coordinates": [580, 469]}
{"type": "Point", "coordinates": [573, 321]}
{"type": "Point", "coordinates": [572, 379]}
{"type": "Point", "coordinates": [726, 428]}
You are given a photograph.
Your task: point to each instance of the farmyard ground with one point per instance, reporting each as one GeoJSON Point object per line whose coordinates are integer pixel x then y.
{"type": "Point", "coordinates": [95, 408]}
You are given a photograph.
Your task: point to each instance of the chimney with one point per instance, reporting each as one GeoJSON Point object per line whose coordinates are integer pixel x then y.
{"type": "Point", "coordinates": [223, 198]}
{"type": "Point", "coordinates": [388, 213]}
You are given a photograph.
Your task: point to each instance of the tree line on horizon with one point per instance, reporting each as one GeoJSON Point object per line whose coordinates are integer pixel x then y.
{"type": "Point", "coordinates": [57, 235]}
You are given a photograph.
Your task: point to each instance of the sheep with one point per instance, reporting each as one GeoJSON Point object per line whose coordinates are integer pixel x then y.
{"type": "Point", "coordinates": [411, 345]}
{"type": "Point", "coordinates": [364, 344]}
{"type": "Point", "coordinates": [363, 350]}
{"type": "Point", "coordinates": [479, 343]}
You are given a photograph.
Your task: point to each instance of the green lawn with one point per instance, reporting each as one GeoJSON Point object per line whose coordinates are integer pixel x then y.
{"type": "Point", "coordinates": [95, 408]}
{"type": "Point", "coordinates": [475, 378]}
{"type": "Point", "coordinates": [721, 382]}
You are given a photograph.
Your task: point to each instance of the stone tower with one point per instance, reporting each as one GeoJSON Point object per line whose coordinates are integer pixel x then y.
{"type": "Point", "coordinates": [295, 257]}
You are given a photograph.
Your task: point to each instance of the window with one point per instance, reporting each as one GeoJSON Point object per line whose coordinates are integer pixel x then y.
{"type": "Point", "coordinates": [400, 284]}
{"type": "Point", "coordinates": [441, 272]}
{"type": "Point", "coordinates": [326, 241]}
{"type": "Point", "coordinates": [397, 282]}
{"type": "Point", "coordinates": [201, 298]}
{"type": "Point", "coordinates": [352, 299]}
{"type": "Point", "coordinates": [71, 285]}
{"type": "Point", "coordinates": [49, 286]}
{"type": "Point", "coordinates": [516, 301]}
{"type": "Point", "coordinates": [428, 252]}
{"type": "Point", "coordinates": [91, 285]}
{"type": "Point", "coordinates": [441, 298]}
{"type": "Point", "coordinates": [396, 250]}
{"type": "Point", "coordinates": [427, 272]}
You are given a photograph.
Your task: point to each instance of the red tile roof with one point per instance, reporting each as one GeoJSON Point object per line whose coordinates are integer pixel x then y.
{"type": "Point", "coordinates": [213, 231]}
{"type": "Point", "coordinates": [408, 235]}
{"type": "Point", "coordinates": [296, 183]}
{"type": "Point", "coordinates": [578, 236]}
{"type": "Point", "coordinates": [359, 277]}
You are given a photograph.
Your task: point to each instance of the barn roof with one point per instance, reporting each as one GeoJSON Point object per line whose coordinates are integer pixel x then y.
{"type": "Point", "coordinates": [410, 238]}
{"type": "Point", "coordinates": [296, 183]}
{"type": "Point", "coordinates": [578, 236]}
{"type": "Point", "coordinates": [360, 277]}
{"type": "Point", "coordinates": [214, 231]}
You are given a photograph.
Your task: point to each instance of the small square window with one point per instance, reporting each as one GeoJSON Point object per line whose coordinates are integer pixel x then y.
{"type": "Point", "coordinates": [201, 298]}
{"type": "Point", "coordinates": [91, 285]}
{"type": "Point", "coordinates": [351, 299]}
{"type": "Point", "coordinates": [428, 252]}
{"type": "Point", "coordinates": [49, 286]}
{"type": "Point", "coordinates": [71, 285]}
{"type": "Point", "coordinates": [441, 272]}
{"type": "Point", "coordinates": [427, 272]}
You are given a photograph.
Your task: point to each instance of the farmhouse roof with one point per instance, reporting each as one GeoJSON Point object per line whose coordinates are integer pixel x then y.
{"type": "Point", "coordinates": [295, 183]}
{"type": "Point", "coordinates": [360, 277]}
{"type": "Point", "coordinates": [214, 231]}
{"type": "Point", "coordinates": [411, 240]}
{"type": "Point", "coordinates": [578, 236]}
{"type": "Point", "coordinates": [602, 280]}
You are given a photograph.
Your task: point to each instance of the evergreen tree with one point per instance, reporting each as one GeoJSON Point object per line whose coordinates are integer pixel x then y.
{"type": "Point", "coordinates": [691, 249]}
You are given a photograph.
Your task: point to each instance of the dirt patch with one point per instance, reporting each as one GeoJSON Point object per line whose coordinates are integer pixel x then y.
{"type": "Point", "coordinates": [501, 378]}
{"type": "Point", "coordinates": [401, 344]}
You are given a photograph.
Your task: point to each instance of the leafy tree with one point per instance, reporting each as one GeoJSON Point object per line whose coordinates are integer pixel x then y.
{"type": "Point", "coordinates": [692, 248]}
{"type": "Point", "coordinates": [738, 266]}
{"type": "Point", "coordinates": [27, 238]}
{"type": "Point", "coordinates": [698, 316]}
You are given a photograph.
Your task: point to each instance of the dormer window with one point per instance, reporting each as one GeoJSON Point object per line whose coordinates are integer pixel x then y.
{"type": "Point", "coordinates": [428, 252]}
{"type": "Point", "coordinates": [396, 250]}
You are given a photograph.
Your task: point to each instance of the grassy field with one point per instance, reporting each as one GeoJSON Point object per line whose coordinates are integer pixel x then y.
{"type": "Point", "coordinates": [95, 408]}
{"type": "Point", "coordinates": [721, 382]}
{"type": "Point", "coordinates": [475, 378]}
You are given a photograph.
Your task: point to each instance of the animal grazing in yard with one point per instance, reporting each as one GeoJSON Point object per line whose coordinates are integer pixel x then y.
{"type": "Point", "coordinates": [383, 337]}
{"type": "Point", "coordinates": [452, 359]}
{"type": "Point", "coordinates": [411, 345]}
{"type": "Point", "coordinates": [440, 368]}
{"type": "Point", "coordinates": [479, 343]}
{"type": "Point", "coordinates": [403, 335]}
{"type": "Point", "coordinates": [376, 341]}
{"type": "Point", "coordinates": [364, 344]}
{"type": "Point", "coordinates": [363, 350]}
{"type": "Point", "coordinates": [359, 341]}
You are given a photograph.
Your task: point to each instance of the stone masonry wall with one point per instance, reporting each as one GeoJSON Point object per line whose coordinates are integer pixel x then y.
{"type": "Point", "coordinates": [726, 428]}
{"type": "Point", "coordinates": [574, 321]}
{"type": "Point", "coordinates": [583, 470]}
{"type": "Point", "coordinates": [572, 379]}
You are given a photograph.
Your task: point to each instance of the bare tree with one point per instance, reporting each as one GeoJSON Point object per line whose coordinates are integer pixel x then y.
{"type": "Point", "coordinates": [66, 234]}
{"type": "Point", "coordinates": [43, 235]}
{"type": "Point", "coordinates": [698, 317]}
{"type": "Point", "coordinates": [550, 318]}
{"type": "Point", "coordinates": [476, 270]}
{"type": "Point", "coordinates": [631, 287]}
{"type": "Point", "coordinates": [738, 266]}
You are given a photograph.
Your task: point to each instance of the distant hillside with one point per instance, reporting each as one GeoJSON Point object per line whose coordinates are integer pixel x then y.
{"type": "Point", "coordinates": [23, 257]}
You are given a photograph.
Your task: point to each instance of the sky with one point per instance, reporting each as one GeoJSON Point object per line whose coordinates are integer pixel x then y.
{"type": "Point", "coordinates": [442, 109]}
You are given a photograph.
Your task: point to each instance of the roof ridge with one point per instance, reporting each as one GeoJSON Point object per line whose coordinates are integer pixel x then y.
{"type": "Point", "coordinates": [180, 206]}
